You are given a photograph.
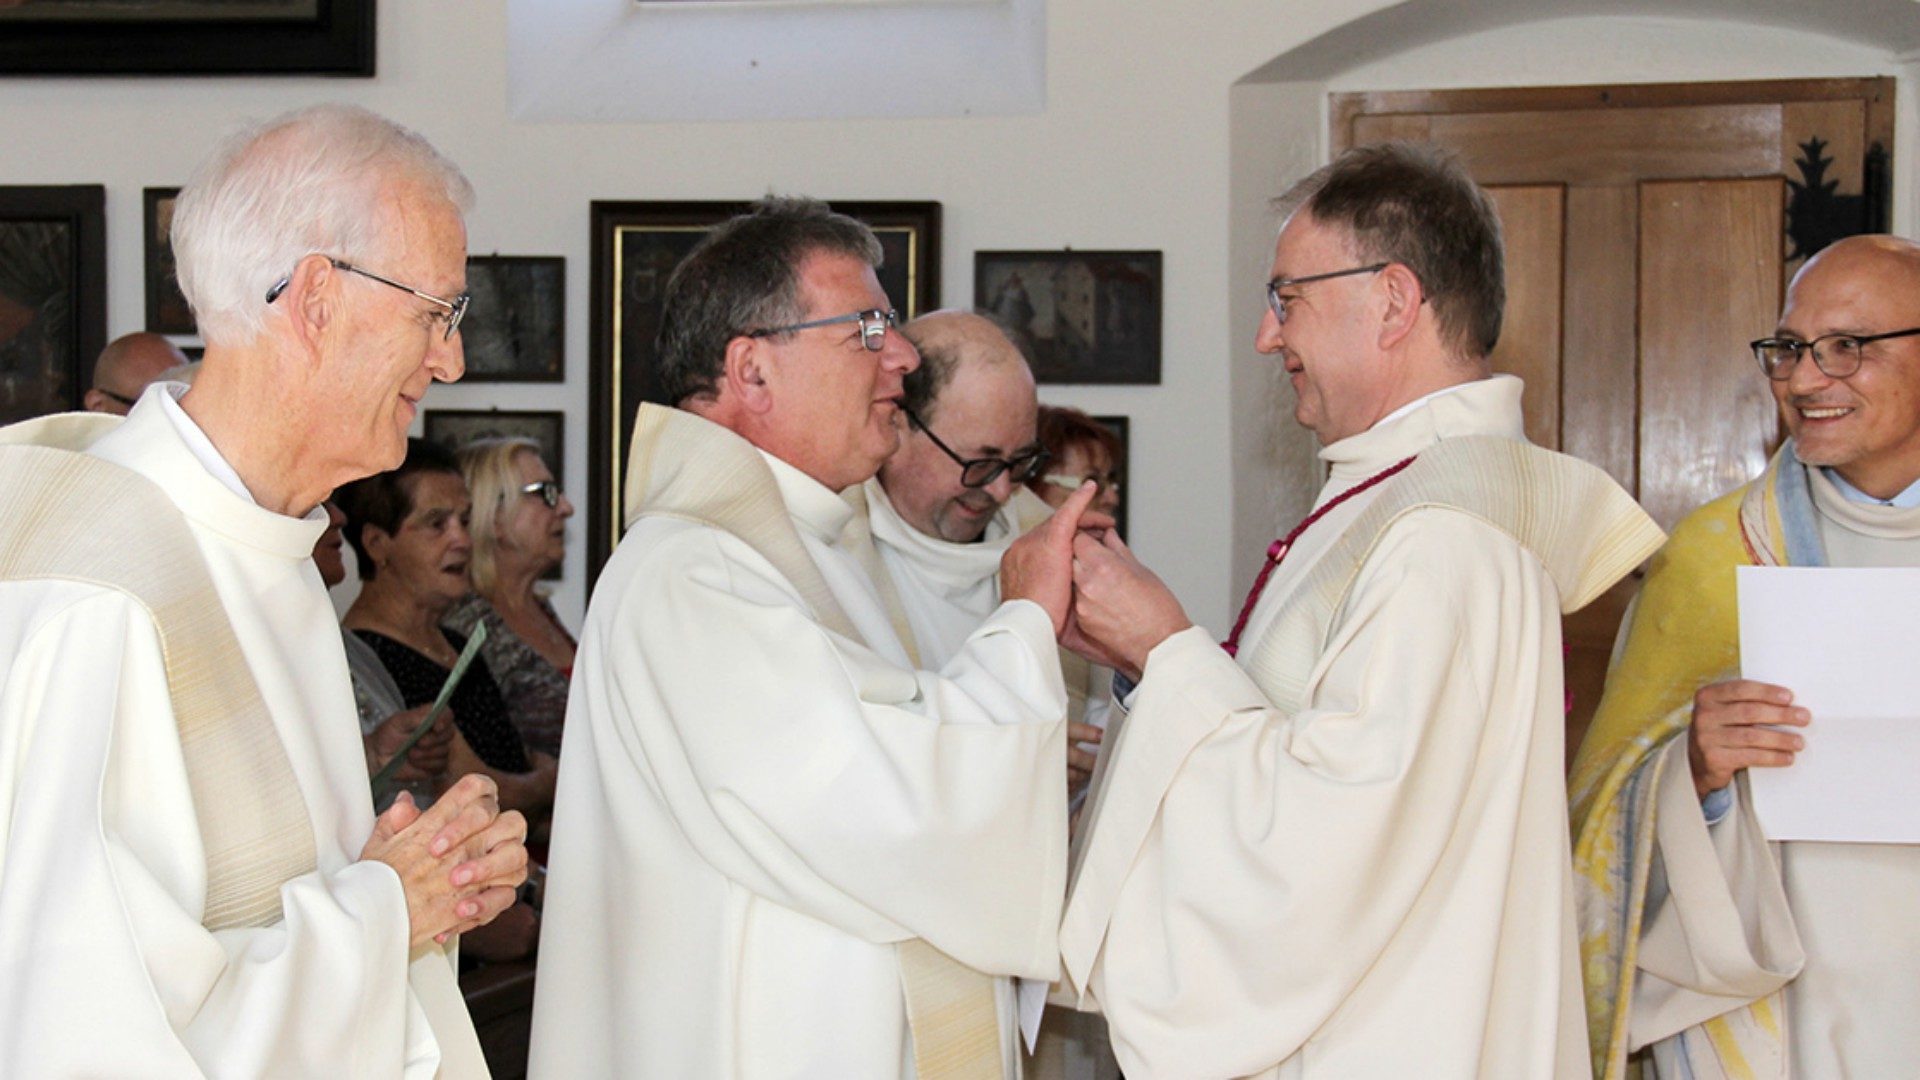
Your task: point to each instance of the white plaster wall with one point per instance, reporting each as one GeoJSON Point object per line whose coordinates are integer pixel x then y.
{"type": "Point", "coordinates": [1139, 147]}
{"type": "Point", "coordinates": [1269, 120]}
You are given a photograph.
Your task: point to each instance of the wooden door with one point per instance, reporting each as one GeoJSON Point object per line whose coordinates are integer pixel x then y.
{"type": "Point", "coordinates": [1650, 231]}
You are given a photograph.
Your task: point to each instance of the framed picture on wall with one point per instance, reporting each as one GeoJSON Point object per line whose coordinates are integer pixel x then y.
{"type": "Point", "coordinates": [187, 37]}
{"type": "Point", "coordinates": [53, 296]}
{"type": "Point", "coordinates": [636, 246]}
{"type": "Point", "coordinates": [1089, 316]}
{"type": "Point", "coordinates": [455, 428]}
{"type": "Point", "coordinates": [515, 328]}
{"type": "Point", "coordinates": [167, 310]}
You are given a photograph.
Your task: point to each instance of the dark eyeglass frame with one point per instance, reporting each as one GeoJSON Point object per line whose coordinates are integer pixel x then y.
{"type": "Point", "coordinates": [1279, 307]}
{"type": "Point", "coordinates": [456, 307]}
{"type": "Point", "coordinates": [979, 472]}
{"type": "Point", "coordinates": [1779, 356]}
{"type": "Point", "coordinates": [548, 490]}
{"type": "Point", "coordinates": [874, 324]}
{"type": "Point", "coordinates": [121, 398]}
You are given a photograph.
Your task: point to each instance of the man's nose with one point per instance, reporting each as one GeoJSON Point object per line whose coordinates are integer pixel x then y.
{"type": "Point", "coordinates": [447, 359]}
{"type": "Point", "coordinates": [1269, 339]}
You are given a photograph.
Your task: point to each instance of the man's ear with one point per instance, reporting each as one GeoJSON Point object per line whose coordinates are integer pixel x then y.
{"type": "Point", "coordinates": [747, 374]}
{"type": "Point", "coordinates": [1404, 298]}
{"type": "Point", "coordinates": [312, 299]}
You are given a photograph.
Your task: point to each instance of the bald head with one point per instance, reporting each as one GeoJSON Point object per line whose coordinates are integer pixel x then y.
{"type": "Point", "coordinates": [975, 393]}
{"type": "Point", "coordinates": [947, 341]}
{"type": "Point", "coordinates": [1862, 423]}
{"type": "Point", "coordinates": [125, 368]}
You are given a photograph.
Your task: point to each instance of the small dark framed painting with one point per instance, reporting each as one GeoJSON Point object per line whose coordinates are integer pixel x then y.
{"type": "Point", "coordinates": [455, 428]}
{"type": "Point", "coordinates": [53, 296]}
{"type": "Point", "coordinates": [187, 37]}
{"type": "Point", "coordinates": [167, 310]}
{"type": "Point", "coordinates": [636, 246]}
{"type": "Point", "coordinates": [1089, 316]}
{"type": "Point", "coordinates": [1119, 425]}
{"type": "Point", "coordinates": [515, 329]}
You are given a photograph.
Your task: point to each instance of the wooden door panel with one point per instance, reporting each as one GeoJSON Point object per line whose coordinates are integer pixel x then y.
{"type": "Point", "coordinates": [1533, 220]}
{"type": "Point", "coordinates": [1602, 340]}
{"type": "Point", "coordinates": [1614, 146]}
{"type": "Point", "coordinates": [1389, 128]}
{"type": "Point", "coordinates": [1710, 280]}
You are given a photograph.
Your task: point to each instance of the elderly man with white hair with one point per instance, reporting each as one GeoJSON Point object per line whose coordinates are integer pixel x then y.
{"type": "Point", "coordinates": [192, 881]}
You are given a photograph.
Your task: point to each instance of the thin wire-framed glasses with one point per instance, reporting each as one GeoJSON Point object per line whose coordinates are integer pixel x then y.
{"type": "Point", "coordinates": [456, 307]}
{"type": "Point", "coordinates": [1278, 303]}
{"type": "Point", "coordinates": [979, 472]}
{"type": "Point", "coordinates": [1836, 355]}
{"type": "Point", "coordinates": [548, 490]}
{"type": "Point", "coordinates": [874, 325]}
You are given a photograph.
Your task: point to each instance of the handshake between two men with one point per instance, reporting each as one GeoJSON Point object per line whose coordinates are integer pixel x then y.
{"type": "Point", "coordinates": [1105, 604]}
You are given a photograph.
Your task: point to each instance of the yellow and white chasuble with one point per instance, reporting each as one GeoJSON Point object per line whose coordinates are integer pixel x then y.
{"type": "Point", "coordinates": [761, 815]}
{"type": "Point", "coordinates": [107, 846]}
{"type": "Point", "coordinates": [1344, 853]}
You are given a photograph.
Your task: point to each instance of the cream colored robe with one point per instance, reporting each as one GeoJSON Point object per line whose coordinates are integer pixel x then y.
{"type": "Point", "coordinates": [754, 810]}
{"type": "Point", "coordinates": [105, 969]}
{"type": "Point", "coordinates": [1377, 884]}
{"type": "Point", "coordinates": [1730, 918]}
{"type": "Point", "coordinates": [945, 591]}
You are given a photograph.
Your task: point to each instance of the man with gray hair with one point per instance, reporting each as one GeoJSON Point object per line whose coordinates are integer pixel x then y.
{"type": "Point", "coordinates": [1337, 846]}
{"type": "Point", "coordinates": [192, 879]}
{"type": "Point", "coordinates": [781, 848]}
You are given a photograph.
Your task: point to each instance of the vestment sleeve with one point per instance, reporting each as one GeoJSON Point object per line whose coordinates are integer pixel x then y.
{"type": "Point", "coordinates": [1716, 931]}
{"type": "Point", "coordinates": [1249, 866]}
{"type": "Point", "coordinates": [886, 802]}
{"type": "Point", "coordinates": [105, 968]}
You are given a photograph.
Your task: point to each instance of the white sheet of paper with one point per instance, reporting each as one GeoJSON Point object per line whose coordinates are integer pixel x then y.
{"type": "Point", "coordinates": [1844, 641]}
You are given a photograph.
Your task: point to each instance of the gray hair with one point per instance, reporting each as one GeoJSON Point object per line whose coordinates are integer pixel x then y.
{"type": "Point", "coordinates": [1414, 204]}
{"type": "Point", "coordinates": [275, 192]}
{"type": "Point", "coordinates": [745, 276]}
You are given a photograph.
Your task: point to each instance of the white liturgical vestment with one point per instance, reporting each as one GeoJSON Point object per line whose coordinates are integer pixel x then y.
{"type": "Point", "coordinates": [1732, 916]}
{"type": "Point", "coordinates": [105, 968]}
{"type": "Point", "coordinates": [1344, 853]}
{"type": "Point", "coordinates": [755, 810]}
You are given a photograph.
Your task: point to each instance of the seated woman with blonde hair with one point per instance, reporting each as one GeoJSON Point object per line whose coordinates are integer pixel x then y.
{"type": "Point", "coordinates": [519, 534]}
{"type": "Point", "coordinates": [408, 530]}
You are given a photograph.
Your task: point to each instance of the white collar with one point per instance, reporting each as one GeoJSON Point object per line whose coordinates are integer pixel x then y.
{"type": "Point", "coordinates": [1488, 406]}
{"type": "Point", "coordinates": [962, 565]}
{"type": "Point", "coordinates": [1906, 500]}
{"type": "Point", "coordinates": [168, 394]}
{"type": "Point", "coordinates": [813, 507]}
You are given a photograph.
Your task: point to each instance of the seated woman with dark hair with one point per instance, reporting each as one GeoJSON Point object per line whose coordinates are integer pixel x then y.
{"type": "Point", "coordinates": [408, 530]}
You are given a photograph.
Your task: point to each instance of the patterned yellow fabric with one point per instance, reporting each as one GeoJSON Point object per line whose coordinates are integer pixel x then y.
{"type": "Point", "coordinates": [685, 467]}
{"type": "Point", "coordinates": [66, 519]}
{"type": "Point", "coordinates": [1683, 635]}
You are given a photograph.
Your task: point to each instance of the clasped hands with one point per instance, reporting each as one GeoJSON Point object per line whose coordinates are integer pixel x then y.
{"type": "Point", "coordinates": [1106, 605]}
{"type": "Point", "coordinates": [459, 861]}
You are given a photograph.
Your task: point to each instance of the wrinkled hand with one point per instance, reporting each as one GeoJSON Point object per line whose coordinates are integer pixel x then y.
{"type": "Point", "coordinates": [459, 862]}
{"type": "Point", "coordinates": [1120, 608]}
{"type": "Point", "coordinates": [427, 759]}
{"type": "Point", "coordinates": [1080, 762]}
{"type": "Point", "coordinates": [1728, 732]}
{"type": "Point", "coordinates": [1039, 565]}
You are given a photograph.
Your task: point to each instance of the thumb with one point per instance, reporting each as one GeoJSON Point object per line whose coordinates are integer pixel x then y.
{"type": "Point", "coordinates": [397, 817]}
{"type": "Point", "coordinates": [1067, 518]}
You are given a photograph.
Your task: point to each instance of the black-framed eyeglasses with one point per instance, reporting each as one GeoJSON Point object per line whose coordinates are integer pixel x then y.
{"type": "Point", "coordinates": [874, 325]}
{"type": "Point", "coordinates": [121, 398]}
{"type": "Point", "coordinates": [456, 307]}
{"type": "Point", "coordinates": [1836, 355]}
{"type": "Point", "coordinates": [979, 472]}
{"type": "Point", "coordinates": [548, 490]}
{"type": "Point", "coordinates": [1278, 303]}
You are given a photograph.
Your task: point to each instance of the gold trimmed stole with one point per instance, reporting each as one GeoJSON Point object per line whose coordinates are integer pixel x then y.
{"type": "Point", "coordinates": [65, 518]}
{"type": "Point", "coordinates": [682, 466]}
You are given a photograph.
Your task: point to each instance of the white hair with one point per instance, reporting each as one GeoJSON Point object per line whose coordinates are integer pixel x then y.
{"type": "Point", "coordinates": [273, 193]}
